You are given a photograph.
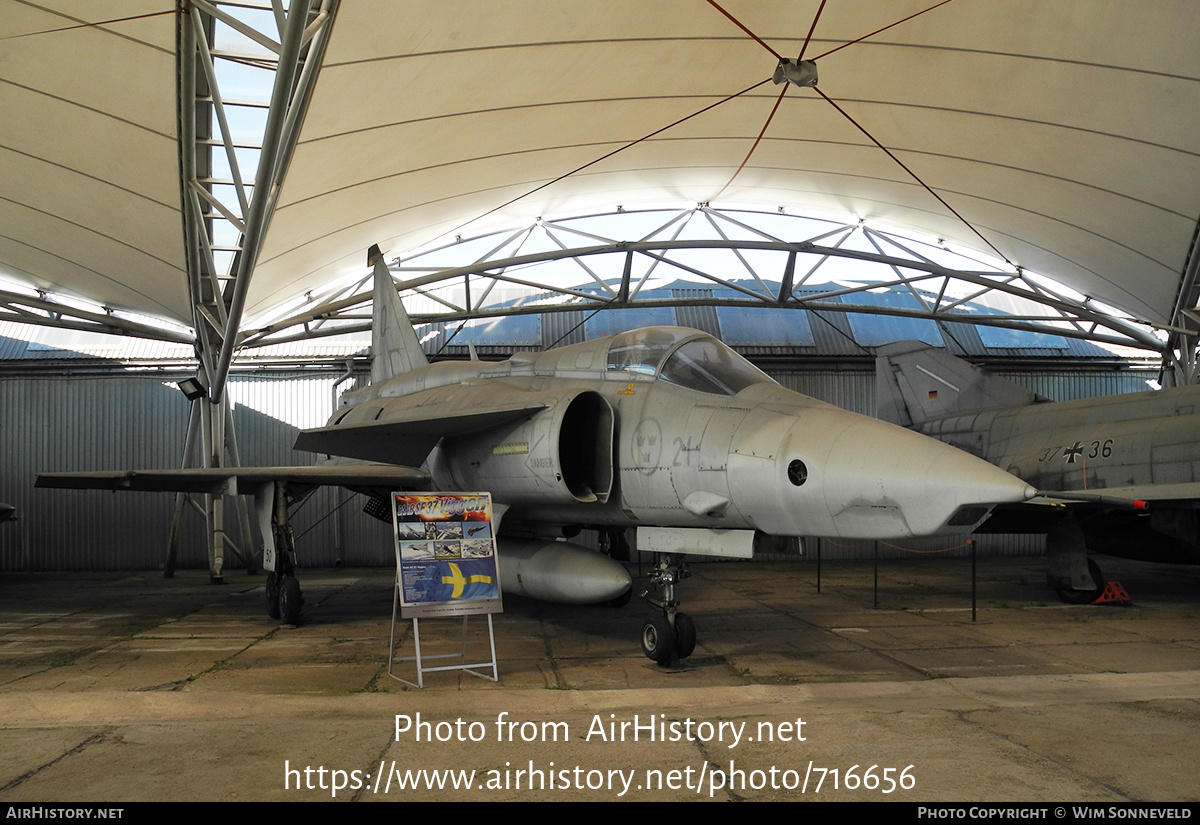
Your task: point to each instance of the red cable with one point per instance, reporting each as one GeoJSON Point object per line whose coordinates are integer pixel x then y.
{"type": "Point", "coordinates": [811, 29]}
{"type": "Point", "coordinates": [782, 92]}
{"type": "Point", "coordinates": [738, 23]}
{"type": "Point", "coordinates": [778, 100]}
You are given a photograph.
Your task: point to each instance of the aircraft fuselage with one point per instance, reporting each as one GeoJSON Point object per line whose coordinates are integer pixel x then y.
{"type": "Point", "coordinates": [1113, 443]}
{"type": "Point", "coordinates": [1095, 443]}
{"type": "Point", "coordinates": [666, 426]}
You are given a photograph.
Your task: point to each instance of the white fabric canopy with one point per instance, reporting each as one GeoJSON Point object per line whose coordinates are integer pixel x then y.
{"type": "Point", "coordinates": [1066, 134]}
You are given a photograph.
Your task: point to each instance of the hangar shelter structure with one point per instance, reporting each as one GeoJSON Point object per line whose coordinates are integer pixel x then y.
{"type": "Point", "coordinates": [211, 173]}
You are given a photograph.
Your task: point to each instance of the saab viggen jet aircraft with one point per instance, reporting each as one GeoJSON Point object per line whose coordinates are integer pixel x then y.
{"type": "Point", "coordinates": [662, 430]}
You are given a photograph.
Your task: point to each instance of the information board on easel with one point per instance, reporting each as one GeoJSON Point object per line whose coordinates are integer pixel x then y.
{"type": "Point", "coordinates": [446, 565]}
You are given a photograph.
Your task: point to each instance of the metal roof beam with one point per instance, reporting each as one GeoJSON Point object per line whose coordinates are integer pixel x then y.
{"type": "Point", "coordinates": [1015, 323]}
{"type": "Point", "coordinates": [42, 312]}
{"type": "Point", "coordinates": [1068, 317]}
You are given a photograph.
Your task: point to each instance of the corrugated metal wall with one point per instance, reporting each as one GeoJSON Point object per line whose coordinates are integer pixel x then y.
{"type": "Point", "coordinates": [52, 423]}
{"type": "Point", "coordinates": [1068, 386]}
{"type": "Point", "coordinates": [84, 424]}
{"type": "Point", "coordinates": [854, 390]}
{"type": "Point", "coordinates": [72, 423]}
{"type": "Point", "coordinates": [850, 390]}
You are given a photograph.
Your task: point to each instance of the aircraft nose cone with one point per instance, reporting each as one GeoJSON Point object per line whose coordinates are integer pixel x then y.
{"type": "Point", "coordinates": [840, 474]}
{"type": "Point", "coordinates": [880, 478]}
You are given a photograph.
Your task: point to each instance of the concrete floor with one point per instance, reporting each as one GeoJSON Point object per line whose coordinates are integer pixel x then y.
{"type": "Point", "coordinates": [124, 687]}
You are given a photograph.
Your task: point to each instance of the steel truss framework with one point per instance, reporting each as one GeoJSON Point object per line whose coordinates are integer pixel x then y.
{"type": "Point", "coordinates": [41, 309]}
{"type": "Point", "coordinates": [287, 42]}
{"type": "Point", "coordinates": [1180, 357]}
{"type": "Point", "coordinates": [752, 255]}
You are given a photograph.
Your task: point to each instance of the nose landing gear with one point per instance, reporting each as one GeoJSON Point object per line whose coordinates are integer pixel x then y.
{"type": "Point", "coordinates": [668, 638]}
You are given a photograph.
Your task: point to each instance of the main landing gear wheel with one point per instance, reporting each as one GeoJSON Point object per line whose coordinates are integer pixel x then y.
{"type": "Point", "coordinates": [272, 595]}
{"type": "Point", "coordinates": [658, 640]}
{"type": "Point", "coordinates": [685, 635]}
{"type": "Point", "coordinates": [290, 599]}
{"type": "Point", "coordinates": [1086, 596]}
{"type": "Point", "coordinates": [284, 598]}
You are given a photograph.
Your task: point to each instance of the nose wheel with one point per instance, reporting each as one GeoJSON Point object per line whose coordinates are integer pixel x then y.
{"type": "Point", "coordinates": [668, 638]}
{"type": "Point", "coordinates": [658, 639]}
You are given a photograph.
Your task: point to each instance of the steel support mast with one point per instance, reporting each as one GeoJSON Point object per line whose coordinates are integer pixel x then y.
{"type": "Point", "coordinates": [226, 214]}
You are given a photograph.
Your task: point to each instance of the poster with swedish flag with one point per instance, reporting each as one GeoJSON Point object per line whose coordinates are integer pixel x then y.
{"type": "Point", "coordinates": [445, 554]}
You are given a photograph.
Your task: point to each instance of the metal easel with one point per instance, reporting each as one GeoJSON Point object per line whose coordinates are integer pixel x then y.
{"type": "Point", "coordinates": [422, 669]}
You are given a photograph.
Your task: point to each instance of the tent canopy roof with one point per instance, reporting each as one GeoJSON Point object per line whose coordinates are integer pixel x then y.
{"type": "Point", "coordinates": [1063, 137]}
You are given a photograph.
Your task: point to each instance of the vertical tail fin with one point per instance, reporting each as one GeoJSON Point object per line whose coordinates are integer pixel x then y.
{"type": "Point", "coordinates": [394, 344]}
{"type": "Point", "coordinates": [916, 383]}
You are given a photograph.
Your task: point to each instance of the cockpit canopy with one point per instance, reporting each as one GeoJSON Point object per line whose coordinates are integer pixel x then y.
{"type": "Point", "coordinates": [684, 357]}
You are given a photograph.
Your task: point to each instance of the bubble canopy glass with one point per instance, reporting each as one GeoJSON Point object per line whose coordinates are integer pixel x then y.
{"type": "Point", "coordinates": [684, 357]}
